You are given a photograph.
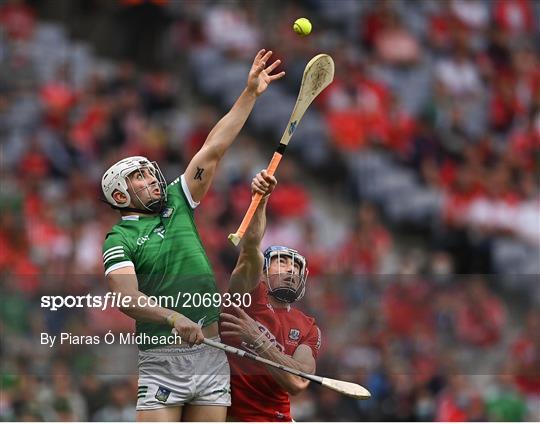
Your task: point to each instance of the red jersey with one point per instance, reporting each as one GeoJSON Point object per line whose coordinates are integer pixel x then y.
{"type": "Point", "coordinates": [526, 356]}
{"type": "Point", "coordinates": [256, 396]}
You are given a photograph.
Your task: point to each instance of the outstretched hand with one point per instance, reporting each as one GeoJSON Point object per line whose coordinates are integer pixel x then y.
{"type": "Point", "coordinates": [240, 325]}
{"type": "Point", "coordinates": [259, 77]}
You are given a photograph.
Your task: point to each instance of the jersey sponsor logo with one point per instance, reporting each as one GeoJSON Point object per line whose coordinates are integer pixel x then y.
{"type": "Point", "coordinates": [142, 240]}
{"type": "Point", "coordinates": [162, 394]}
{"type": "Point", "coordinates": [167, 212]}
{"type": "Point", "coordinates": [160, 231]}
{"type": "Point", "coordinates": [319, 339]}
{"type": "Point", "coordinates": [294, 334]}
{"type": "Point", "coordinates": [270, 336]}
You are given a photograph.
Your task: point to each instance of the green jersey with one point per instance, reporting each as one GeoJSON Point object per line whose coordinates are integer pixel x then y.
{"type": "Point", "coordinates": [169, 260]}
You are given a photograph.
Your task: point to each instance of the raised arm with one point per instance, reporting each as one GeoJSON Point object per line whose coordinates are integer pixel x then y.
{"type": "Point", "coordinates": [201, 170]}
{"type": "Point", "coordinates": [247, 273]}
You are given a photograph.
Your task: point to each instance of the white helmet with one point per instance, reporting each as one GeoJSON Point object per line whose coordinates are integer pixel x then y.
{"type": "Point", "coordinates": [115, 178]}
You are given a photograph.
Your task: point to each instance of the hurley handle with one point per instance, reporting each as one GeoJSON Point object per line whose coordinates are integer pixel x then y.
{"type": "Point", "coordinates": [255, 201]}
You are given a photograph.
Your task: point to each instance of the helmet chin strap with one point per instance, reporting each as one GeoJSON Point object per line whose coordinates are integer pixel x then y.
{"type": "Point", "coordinates": [155, 208]}
{"type": "Point", "coordinates": [128, 209]}
{"type": "Point", "coordinates": [284, 294]}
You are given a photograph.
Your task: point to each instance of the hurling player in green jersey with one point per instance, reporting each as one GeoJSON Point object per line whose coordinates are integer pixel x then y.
{"type": "Point", "coordinates": [155, 251]}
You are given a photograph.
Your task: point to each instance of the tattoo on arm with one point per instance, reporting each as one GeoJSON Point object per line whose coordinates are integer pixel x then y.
{"type": "Point", "coordinates": [198, 174]}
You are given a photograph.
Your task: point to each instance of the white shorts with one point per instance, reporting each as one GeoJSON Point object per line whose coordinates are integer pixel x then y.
{"type": "Point", "coordinates": [175, 376]}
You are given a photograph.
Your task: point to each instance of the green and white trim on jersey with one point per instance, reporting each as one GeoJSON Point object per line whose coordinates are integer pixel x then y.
{"type": "Point", "coordinates": [167, 254]}
{"type": "Point", "coordinates": [112, 255]}
{"type": "Point", "coordinates": [115, 253]}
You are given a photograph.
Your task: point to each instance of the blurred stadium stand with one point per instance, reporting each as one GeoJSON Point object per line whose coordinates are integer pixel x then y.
{"type": "Point", "coordinates": [412, 187]}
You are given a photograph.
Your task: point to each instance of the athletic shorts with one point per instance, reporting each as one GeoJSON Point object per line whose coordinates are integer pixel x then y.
{"type": "Point", "coordinates": [175, 376]}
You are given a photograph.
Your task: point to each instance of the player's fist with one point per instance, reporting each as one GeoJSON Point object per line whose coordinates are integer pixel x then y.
{"type": "Point", "coordinates": [263, 183]}
{"type": "Point", "coordinates": [189, 331]}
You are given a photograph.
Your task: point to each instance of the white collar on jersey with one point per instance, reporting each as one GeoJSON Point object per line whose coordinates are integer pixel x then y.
{"type": "Point", "coordinates": [269, 306]}
{"type": "Point", "coordinates": [130, 218]}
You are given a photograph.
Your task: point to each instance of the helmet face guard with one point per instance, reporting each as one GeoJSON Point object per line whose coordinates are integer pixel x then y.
{"type": "Point", "coordinates": [116, 178]}
{"type": "Point", "coordinates": [285, 286]}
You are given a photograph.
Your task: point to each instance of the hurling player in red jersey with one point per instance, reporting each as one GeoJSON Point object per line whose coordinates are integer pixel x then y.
{"type": "Point", "coordinates": [269, 327]}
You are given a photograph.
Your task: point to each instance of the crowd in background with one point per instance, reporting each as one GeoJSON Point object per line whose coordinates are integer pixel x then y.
{"type": "Point", "coordinates": [415, 303]}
